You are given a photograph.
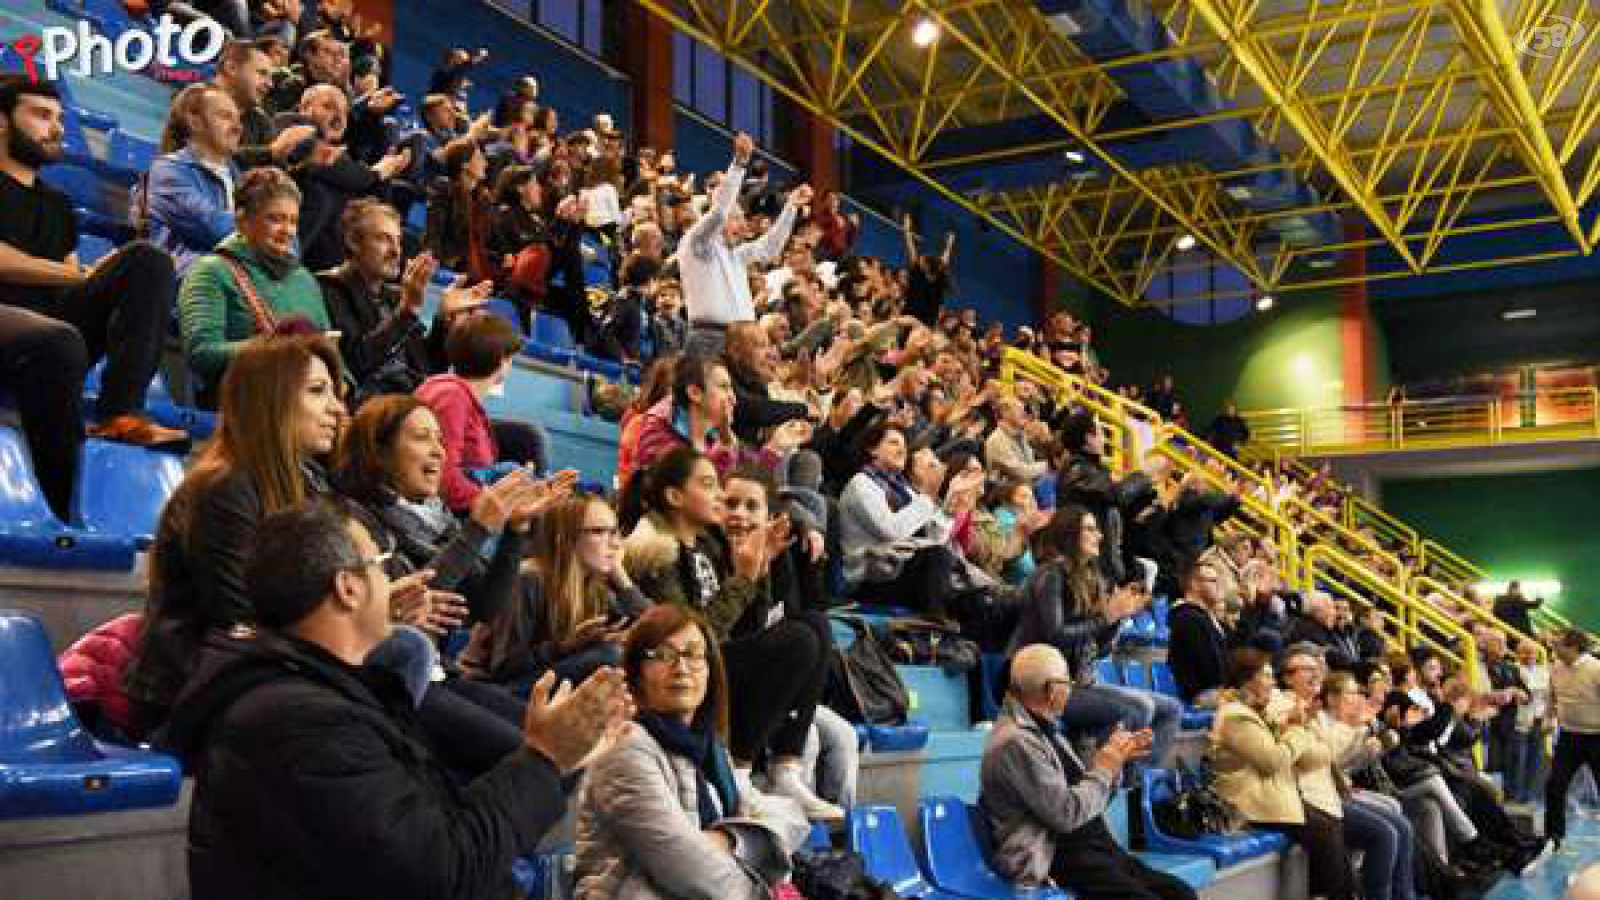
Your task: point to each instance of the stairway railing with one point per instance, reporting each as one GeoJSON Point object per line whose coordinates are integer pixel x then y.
{"type": "Point", "coordinates": [1320, 545]}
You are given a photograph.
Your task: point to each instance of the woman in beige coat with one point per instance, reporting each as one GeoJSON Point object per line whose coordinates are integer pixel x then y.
{"type": "Point", "coordinates": [1261, 744]}
{"type": "Point", "coordinates": [660, 814]}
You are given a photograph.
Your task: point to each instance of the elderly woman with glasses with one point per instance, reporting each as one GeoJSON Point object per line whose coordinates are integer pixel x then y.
{"type": "Point", "coordinates": [1373, 824]}
{"type": "Point", "coordinates": [660, 813]}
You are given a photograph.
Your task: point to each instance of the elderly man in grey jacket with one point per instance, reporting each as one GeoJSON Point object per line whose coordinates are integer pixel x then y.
{"type": "Point", "coordinates": [1045, 807]}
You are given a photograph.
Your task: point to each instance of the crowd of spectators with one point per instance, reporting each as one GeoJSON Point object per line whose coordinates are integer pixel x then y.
{"type": "Point", "coordinates": [813, 427]}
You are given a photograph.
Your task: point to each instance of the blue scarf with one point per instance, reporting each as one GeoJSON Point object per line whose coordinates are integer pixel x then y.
{"type": "Point", "coordinates": [701, 747]}
{"type": "Point", "coordinates": [896, 489]}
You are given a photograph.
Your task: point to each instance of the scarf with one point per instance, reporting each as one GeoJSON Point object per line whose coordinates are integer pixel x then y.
{"type": "Point", "coordinates": [896, 489]}
{"type": "Point", "coordinates": [712, 769]}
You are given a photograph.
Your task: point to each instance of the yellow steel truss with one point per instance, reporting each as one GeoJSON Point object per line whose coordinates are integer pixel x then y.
{"type": "Point", "coordinates": [1402, 113]}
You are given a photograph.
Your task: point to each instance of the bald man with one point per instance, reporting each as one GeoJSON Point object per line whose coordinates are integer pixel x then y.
{"type": "Point", "coordinates": [1317, 625]}
{"type": "Point", "coordinates": [1046, 809]}
{"type": "Point", "coordinates": [329, 178]}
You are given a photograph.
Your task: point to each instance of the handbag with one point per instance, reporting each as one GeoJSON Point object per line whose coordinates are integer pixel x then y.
{"type": "Point", "coordinates": [266, 322]}
{"type": "Point", "coordinates": [865, 687]}
{"type": "Point", "coordinates": [1195, 808]}
{"type": "Point", "coordinates": [836, 875]}
{"type": "Point", "coordinates": [914, 642]}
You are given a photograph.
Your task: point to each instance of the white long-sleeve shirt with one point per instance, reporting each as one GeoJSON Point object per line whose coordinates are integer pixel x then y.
{"type": "Point", "coordinates": [716, 283]}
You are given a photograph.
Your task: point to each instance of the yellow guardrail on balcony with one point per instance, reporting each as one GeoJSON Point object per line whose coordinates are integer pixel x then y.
{"type": "Point", "coordinates": [1433, 424]}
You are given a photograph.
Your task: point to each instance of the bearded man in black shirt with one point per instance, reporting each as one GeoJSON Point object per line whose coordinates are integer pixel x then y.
{"type": "Point", "coordinates": [58, 317]}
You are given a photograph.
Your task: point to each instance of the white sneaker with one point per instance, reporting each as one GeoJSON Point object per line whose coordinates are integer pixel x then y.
{"type": "Point", "coordinates": [785, 781]}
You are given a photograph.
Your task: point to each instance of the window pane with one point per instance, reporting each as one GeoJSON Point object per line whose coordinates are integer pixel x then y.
{"type": "Point", "coordinates": [710, 83]}
{"type": "Point", "coordinates": [746, 103]}
{"type": "Point", "coordinates": [561, 16]}
{"type": "Point", "coordinates": [593, 26]}
{"type": "Point", "coordinates": [682, 68]}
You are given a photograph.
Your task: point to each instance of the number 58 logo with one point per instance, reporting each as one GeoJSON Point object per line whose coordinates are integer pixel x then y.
{"type": "Point", "coordinates": [1551, 34]}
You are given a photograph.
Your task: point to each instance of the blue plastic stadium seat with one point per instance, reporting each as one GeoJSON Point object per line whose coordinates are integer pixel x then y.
{"type": "Point", "coordinates": [552, 330]}
{"type": "Point", "coordinates": [896, 738]}
{"type": "Point", "coordinates": [1224, 850]}
{"type": "Point", "coordinates": [31, 535]}
{"type": "Point", "coordinates": [877, 834]}
{"type": "Point", "coordinates": [1135, 675]}
{"type": "Point", "coordinates": [1162, 680]}
{"type": "Point", "coordinates": [122, 489]}
{"type": "Point", "coordinates": [1044, 491]}
{"type": "Point", "coordinates": [81, 185]}
{"type": "Point", "coordinates": [560, 356]}
{"type": "Point", "coordinates": [130, 153]}
{"type": "Point", "coordinates": [50, 766]}
{"type": "Point", "coordinates": [1106, 671]}
{"type": "Point", "coordinates": [1195, 871]}
{"type": "Point", "coordinates": [605, 368]}
{"type": "Point", "coordinates": [953, 836]}
{"type": "Point", "coordinates": [444, 277]}
{"type": "Point", "coordinates": [505, 309]}
{"type": "Point", "coordinates": [92, 248]}
{"type": "Point", "coordinates": [819, 838]}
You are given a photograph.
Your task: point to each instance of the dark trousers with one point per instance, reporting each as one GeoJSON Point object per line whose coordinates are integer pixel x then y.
{"type": "Point", "coordinates": [42, 364]}
{"type": "Point", "coordinates": [122, 313]}
{"type": "Point", "coordinates": [471, 725]}
{"type": "Point", "coordinates": [1573, 752]}
{"type": "Point", "coordinates": [1322, 837]}
{"type": "Point", "coordinates": [775, 681]}
{"type": "Point", "coordinates": [923, 584]}
{"type": "Point", "coordinates": [1107, 872]}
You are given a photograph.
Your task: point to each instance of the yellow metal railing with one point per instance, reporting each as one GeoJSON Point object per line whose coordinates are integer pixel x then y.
{"type": "Point", "coordinates": [1425, 588]}
{"type": "Point", "coordinates": [1307, 539]}
{"type": "Point", "coordinates": [1325, 560]}
{"type": "Point", "coordinates": [1434, 424]}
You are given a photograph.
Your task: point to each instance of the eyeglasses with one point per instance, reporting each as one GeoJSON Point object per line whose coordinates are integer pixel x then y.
{"type": "Point", "coordinates": [381, 560]}
{"type": "Point", "coordinates": [608, 531]}
{"type": "Point", "coordinates": [694, 656]}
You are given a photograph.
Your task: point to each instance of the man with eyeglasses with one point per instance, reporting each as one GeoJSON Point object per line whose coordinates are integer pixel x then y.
{"type": "Point", "coordinates": [1198, 648]}
{"type": "Point", "coordinates": [1045, 807]}
{"type": "Point", "coordinates": [312, 777]}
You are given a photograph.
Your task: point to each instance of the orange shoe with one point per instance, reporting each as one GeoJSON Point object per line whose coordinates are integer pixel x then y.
{"type": "Point", "coordinates": [139, 431]}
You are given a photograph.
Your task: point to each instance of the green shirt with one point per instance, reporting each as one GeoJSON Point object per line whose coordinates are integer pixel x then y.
{"type": "Point", "coordinates": [215, 316]}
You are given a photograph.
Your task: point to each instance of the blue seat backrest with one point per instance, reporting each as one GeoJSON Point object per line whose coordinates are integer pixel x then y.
{"type": "Point", "coordinates": [877, 833]}
{"type": "Point", "coordinates": [1135, 675]}
{"type": "Point", "coordinates": [1107, 672]}
{"type": "Point", "coordinates": [1161, 608]}
{"type": "Point", "coordinates": [1161, 678]}
{"type": "Point", "coordinates": [22, 505]}
{"type": "Point", "coordinates": [36, 721]}
{"type": "Point", "coordinates": [552, 331]}
{"type": "Point", "coordinates": [1117, 817]}
{"type": "Point", "coordinates": [122, 489]}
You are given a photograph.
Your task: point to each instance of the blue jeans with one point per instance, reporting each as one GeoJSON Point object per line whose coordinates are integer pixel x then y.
{"type": "Point", "coordinates": [1526, 765]}
{"type": "Point", "coordinates": [1097, 708]}
{"type": "Point", "coordinates": [1384, 836]}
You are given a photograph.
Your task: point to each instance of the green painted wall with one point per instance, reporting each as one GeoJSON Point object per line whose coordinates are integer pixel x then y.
{"type": "Point", "coordinates": [1290, 356]}
{"type": "Point", "coordinates": [1540, 525]}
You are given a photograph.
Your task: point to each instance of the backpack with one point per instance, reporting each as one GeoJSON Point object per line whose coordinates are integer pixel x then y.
{"type": "Point", "coordinates": [865, 688]}
{"type": "Point", "coordinates": [837, 875]}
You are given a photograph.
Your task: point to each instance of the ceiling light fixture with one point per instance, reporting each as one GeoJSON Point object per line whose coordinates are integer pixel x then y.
{"type": "Point", "coordinates": [925, 32]}
{"type": "Point", "coordinates": [1074, 157]}
{"type": "Point", "coordinates": [1186, 243]}
{"type": "Point", "coordinates": [1511, 315]}
{"type": "Point", "coordinates": [1264, 302]}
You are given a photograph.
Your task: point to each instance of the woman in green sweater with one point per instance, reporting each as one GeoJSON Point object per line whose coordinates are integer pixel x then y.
{"type": "Point", "coordinates": [218, 313]}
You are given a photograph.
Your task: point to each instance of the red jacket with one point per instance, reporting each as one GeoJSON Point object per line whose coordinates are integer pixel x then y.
{"type": "Point", "coordinates": [657, 436]}
{"type": "Point", "coordinates": [468, 436]}
{"type": "Point", "coordinates": [92, 667]}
